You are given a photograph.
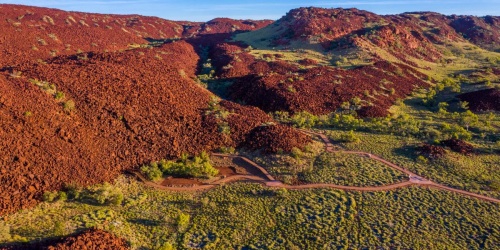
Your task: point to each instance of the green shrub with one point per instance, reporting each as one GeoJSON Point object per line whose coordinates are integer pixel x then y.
{"type": "Point", "coordinates": [104, 194]}
{"type": "Point", "coordinates": [183, 221]}
{"type": "Point", "coordinates": [69, 106]}
{"type": "Point", "coordinates": [349, 137]}
{"type": "Point", "coordinates": [167, 246]}
{"type": "Point", "coordinates": [72, 191]}
{"type": "Point", "coordinates": [95, 218]}
{"type": "Point", "coordinates": [296, 153]}
{"type": "Point", "coordinates": [117, 199]}
{"type": "Point", "coordinates": [281, 116]}
{"type": "Point", "coordinates": [494, 185]}
{"type": "Point", "coordinates": [49, 196]}
{"type": "Point", "coordinates": [224, 128]}
{"type": "Point", "coordinates": [59, 95]}
{"type": "Point", "coordinates": [422, 160]}
{"type": "Point", "coordinates": [304, 119]}
{"type": "Point", "coordinates": [62, 196]}
{"type": "Point", "coordinates": [5, 235]}
{"type": "Point", "coordinates": [198, 166]}
{"type": "Point", "coordinates": [227, 150]}
{"type": "Point", "coordinates": [152, 172]}
{"type": "Point", "coordinates": [59, 228]}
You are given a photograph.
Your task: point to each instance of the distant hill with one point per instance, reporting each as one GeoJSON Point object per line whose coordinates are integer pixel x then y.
{"type": "Point", "coordinates": [405, 34]}
{"type": "Point", "coordinates": [39, 33]}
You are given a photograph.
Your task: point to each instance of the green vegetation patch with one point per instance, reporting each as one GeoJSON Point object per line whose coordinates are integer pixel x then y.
{"type": "Point", "coordinates": [350, 170]}
{"type": "Point", "coordinates": [251, 216]}
{"type": "Point", "coordinates": [476, 173]}
{"type": "Point", "coordinates": [197, 166]}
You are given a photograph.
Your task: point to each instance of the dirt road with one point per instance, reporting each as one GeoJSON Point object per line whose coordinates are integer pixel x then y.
{"type": "Point", "coordinates": [266, 179]}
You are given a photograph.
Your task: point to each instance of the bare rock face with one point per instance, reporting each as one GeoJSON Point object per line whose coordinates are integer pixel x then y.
{"type": "Point", "coordinates": [276, 138]}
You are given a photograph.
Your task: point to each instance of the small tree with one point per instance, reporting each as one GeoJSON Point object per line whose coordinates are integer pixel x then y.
{"type": "Point", "coordinates": [49, 196]}
{"type": "Point", "coordinates": [167, 246]}
{"type": "Point", "coordinates": [442, 108]}
{"type": "Point", "coordinates": [468, 119]}
{"type": "Point", "coordinates": [183, 221]}
{"type": "Point", "coordinates": [355, 103]}
{"type": "Point", "coordinates": [152, 172]}
{"type": "Point", "coordinates": [304, 119]}
{"type": "Point", "coordinates": [350, 137]}
{"type": "Point", "coordinates": [5, 235]}
{"type": "Point", "coordinates": [69, 106]}
{"type": "Point", "coordinates": [464, 105]}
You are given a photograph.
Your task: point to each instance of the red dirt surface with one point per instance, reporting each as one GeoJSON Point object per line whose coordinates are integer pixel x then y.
{"type": "Point", "coordinates": [226, 25]}
{"type": "Point", "coordinates": [123, 117]}
{"type": "Point", "coordinates": [276, 138]}
{"type": "Point", "coordinates": [459, 146]}
{"type": "Point", "coordinates": [405, 36]}
{"type": "Point", "coordinates": [482, 100]}
{"type": "Point", "coordinates": [180, 182]}
{"type": "Point", "coordinates": [309, 24]}
{"type": "Point", "coordinates": [322, 90]}
{"type": "Point", "coordinates": [90, 239]}
{"type": "Point", "coordinates": [435, 26]}
{"type": "Point", "coordinates": [431, 151]}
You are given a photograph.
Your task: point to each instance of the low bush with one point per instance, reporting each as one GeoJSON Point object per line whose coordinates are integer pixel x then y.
{"type": "Point", "coordinates": [69, 106]}
{"type": "Point", "coordinates": [104, 194]}
{"type": "Point", "coordinates": [152, 171]}
{"type": "Point", "coordinates": [197, 166]}
{"type": "Point", "coordinates": [49, 196]}
{"type": "Point", "coordinates": [304, 119]}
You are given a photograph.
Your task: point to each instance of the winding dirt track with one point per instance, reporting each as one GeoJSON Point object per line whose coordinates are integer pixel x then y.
{"type": "Point", "coordinates": [269, 181]}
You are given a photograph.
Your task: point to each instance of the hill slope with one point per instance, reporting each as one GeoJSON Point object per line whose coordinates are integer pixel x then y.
{"type": "Point", "coordinates": [78, 104]}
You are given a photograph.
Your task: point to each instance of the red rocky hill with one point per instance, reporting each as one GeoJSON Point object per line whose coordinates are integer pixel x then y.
{"type": "Point", "coordinates": [130, 108]}
{"type": "Point", "coordinates": [408, 34]}
{"type": "Point", "coordinates": [78, 106]}
{"type": "Point", "coordinates": [41, 33]}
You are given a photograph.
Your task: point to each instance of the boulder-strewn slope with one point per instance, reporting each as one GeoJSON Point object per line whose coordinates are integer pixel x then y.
{"type": "Point", "coordinates": [79, 106]}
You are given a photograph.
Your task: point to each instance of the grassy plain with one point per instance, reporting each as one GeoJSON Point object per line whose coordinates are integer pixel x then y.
{"type": "Point", "coordinates": [250, 216]}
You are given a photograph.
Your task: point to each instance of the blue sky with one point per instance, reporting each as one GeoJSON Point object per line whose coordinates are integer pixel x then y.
{"type": "Point", "coordinates": [258, 9]}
